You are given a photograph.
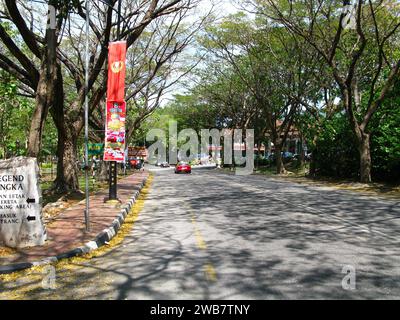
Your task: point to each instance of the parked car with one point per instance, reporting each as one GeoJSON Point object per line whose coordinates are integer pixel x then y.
{"type": "Point", "coordinates": [183, 167]}
{"type": "Point", "coordinates": [136, 163]}
{"type": "Point", "coordinates": [296, 156]}
{"type": "Point", "coordinates": [271, 157]}
{"type": "Point", "coordinates": [132, 163]}
{"type": "Point", "coordinates": [139, 164]}
{"type": "Point", "coordinates": [287, 155]}
{"type": "Point", "coordinates": [165, 165]}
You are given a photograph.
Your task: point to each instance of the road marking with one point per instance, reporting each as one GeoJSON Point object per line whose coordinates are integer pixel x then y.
{"type": "Point", "coordinates": [209, 270]}
{"type": "Point", "coordinates": [201, 244]}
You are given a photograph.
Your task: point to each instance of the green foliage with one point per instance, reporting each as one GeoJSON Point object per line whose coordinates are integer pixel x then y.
{"type": "Point", "coordinates": [191, 112]}
{"type": "Point", "coordinates": [385, 144]}
{"type": "Point", "coordinates": [335, 153]}
{"type": "Point", "coordinates": [49, 140]}
{"type": "Point", "coordinates": [15, 115]}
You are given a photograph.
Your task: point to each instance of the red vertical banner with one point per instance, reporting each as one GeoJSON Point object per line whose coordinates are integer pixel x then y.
{"type": "Point", "coordinates": [114, 148]}
{"type": "Point", "coordinates": [116, 71]}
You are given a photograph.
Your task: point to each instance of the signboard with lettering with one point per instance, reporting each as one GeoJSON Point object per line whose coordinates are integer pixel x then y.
{"type": "Point", "coordinates": [139, 152]}
{"type": "Point", "coordinates": [96, 149]}
{"type": "Point", "coordinates": [21, 223]}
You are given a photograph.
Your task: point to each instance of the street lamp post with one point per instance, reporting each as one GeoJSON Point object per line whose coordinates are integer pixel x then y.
{"type": "Point", "coordinates": [113, 165]}
{"type": "Point", "coordinates": [87, 215]}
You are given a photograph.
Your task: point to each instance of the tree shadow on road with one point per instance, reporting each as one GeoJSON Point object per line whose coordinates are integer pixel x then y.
{"type": "Point", "coordinates": [265, 240]}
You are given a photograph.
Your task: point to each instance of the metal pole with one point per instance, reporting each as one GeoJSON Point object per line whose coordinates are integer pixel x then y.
{"type": "Point", "coordinates": [87, 216]}
{"type": "Point", "coordinates": [113, 181]}
{"type": "Point", "coordinates": [119, 20]}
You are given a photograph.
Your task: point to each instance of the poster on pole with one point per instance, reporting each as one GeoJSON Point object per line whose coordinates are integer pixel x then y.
{"type": "Point", "coordinates": [114, 149]}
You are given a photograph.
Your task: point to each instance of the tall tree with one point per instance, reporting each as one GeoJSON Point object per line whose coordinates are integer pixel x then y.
{"type": "Point", "coordinates": [30, 56]}
{"type": "Point", "coordinates": [356, 42]}
{"type": "Point", "coordinates": [53, 71]}
{"type": "Point", "coordinates": [261, 56]}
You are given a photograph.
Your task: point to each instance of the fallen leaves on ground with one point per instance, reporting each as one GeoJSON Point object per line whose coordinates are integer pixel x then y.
{"type": "Point", "coordinates": [28, 284]}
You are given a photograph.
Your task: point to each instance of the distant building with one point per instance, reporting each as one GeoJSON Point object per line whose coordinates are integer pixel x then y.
{"type": "Point", "coordinates": [138, 152]}
{"type": "Point", "coordinates": [295, 143]}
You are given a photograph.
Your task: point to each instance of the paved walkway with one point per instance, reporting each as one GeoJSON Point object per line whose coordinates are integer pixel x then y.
{"type": "Point", "coordinates": [67, 231]}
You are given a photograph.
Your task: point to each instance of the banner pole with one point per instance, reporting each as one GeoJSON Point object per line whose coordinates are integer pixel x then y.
{"type": "Point", "coordinates": [114, 165]}
{"type": "Point", "coordinates": [119, 20]}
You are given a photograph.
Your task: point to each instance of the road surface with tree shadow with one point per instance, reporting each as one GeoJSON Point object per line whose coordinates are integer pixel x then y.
{"type": "Point", "coordinates": [212, 235]}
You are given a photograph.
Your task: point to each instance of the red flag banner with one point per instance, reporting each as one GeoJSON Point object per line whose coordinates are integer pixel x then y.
{"type": "Point", "coordinates": [114, 149]}
{"type": "Point", "coordinates": [116, 71]}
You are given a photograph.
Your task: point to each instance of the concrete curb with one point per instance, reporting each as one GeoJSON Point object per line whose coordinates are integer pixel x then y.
{"type": "Point", "coordinates": [101, 239]}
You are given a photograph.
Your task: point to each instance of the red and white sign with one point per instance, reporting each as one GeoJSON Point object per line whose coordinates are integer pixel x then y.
{"type": "Point", "coordinates": [114, 148]}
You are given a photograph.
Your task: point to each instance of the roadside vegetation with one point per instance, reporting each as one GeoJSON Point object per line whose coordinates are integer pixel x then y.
{"type": "Point", "coordinates": [331, 84]}
{"type": "Point", "coordinates": [311, 70]}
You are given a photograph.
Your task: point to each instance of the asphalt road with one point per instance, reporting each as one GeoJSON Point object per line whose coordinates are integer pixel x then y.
{"type": "Point", "coordinates": [212, 235]}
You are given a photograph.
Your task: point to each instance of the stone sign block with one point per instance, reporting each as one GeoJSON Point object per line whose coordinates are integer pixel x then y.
{"type": "Point", "coordinates": [21, 223]}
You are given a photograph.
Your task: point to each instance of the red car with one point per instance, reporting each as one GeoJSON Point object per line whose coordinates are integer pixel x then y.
{"type": "Point", "coordinates": [183, 167]}
{"type": "Point", "coordinates": [133, 162]}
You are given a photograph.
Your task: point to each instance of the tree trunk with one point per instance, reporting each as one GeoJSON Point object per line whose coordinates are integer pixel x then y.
{"type": "Point", "coordinates": [363, 140]}
{"type": "Point", "coordinates": [365, 158]}
{"type": "Point", "coordinates": [301, 149]}
{"type": "Point", "coordinates": [39, 115]}
{"type": "Point", "coordinates": [280, 167]}
{"type": "Point", "coordinates": [67, 166]}
{"type": "Point", "coordinates": [103, 171]}
{"type": "Point", "coordinates": [258, 154]}
{"type": "Point", "coordinates": [313, 169]}
{"type": "Point", "coordinates": [45, 94]}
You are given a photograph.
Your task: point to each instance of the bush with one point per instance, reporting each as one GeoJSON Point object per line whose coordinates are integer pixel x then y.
{"type": "Point", "coordinates": [385, 148]}
{"type": "Point", "coordinates": [336, 155]}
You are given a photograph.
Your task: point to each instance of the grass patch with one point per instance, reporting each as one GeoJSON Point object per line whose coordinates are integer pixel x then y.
{"type": "Point", "coordinates": [300, 175]}
{"type": "Point", "coordinates": [94, 186]}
